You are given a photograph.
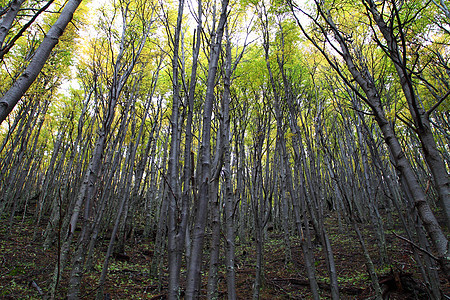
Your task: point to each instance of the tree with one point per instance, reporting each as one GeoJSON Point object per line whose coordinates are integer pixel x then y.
{"type": "Point", "coordinates": [194, 269]}
{"type": "Point", "coordinates": [359, 71]}
{"type": "Point", "coordinates": [21, 85]}
{"type": "Point", "coordinates": [396, 47]}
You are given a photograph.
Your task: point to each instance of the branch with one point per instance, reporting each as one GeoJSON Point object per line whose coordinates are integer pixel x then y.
{"type": "Point", "coordinates": [168, 184]}
{"type": "Point", "coordinates": [415, 246]}
{"type": "Point", "coordinates": [11, 42]}
{"type": "Point", "coordinates": [322, 51]}
{"type": "Point", "coordinates": [437, 103]}
{"type": "Point", "coordinates": [406, 122]}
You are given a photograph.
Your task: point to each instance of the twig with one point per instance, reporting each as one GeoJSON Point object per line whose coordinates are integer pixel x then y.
{"type": "Point", "coordinates": [415, 246]}
{"type": "Point", "coordinates": [439, 102]}
{"type": "Point", "coordinates": [36, 286]}
{"type": "Point", "coordinates": [168, 184]}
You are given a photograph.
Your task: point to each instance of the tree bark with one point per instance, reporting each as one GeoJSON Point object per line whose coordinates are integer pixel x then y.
{"type": "Point", "coordinates": [8, 18]}
{"type": "Point", "coordinates": [21, 85]}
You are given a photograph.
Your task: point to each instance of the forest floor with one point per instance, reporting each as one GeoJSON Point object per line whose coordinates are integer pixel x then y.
{"type": "Point", "coordinates": [26, 268]}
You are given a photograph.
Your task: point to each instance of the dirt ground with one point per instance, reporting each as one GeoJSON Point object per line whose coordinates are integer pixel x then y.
{"type": "Point", "coordinates": [26, 268]}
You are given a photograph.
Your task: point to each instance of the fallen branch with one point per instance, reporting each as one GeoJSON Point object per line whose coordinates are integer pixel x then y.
{"type": "Point", "coordinates": [415, 246]}
{"type": "Point", "coordinates": [36, 286]}
{"type": "Point", "coordinates": [279, 287]}
{"type": "Point", "coordinates": [159, 297]}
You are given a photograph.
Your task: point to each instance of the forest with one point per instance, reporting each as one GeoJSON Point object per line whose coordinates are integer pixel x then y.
{"type": "Point", "coordinates": [224, 149]}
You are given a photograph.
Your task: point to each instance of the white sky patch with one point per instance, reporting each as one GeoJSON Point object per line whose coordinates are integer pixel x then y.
{"type": "Point", "coordinates": [93, 16]}
{"type": "Point", "coordinates": [85, 32]}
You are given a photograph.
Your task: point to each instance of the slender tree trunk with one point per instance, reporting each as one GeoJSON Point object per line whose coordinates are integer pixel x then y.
{"type": "Point", "coordinates": [300, 212]}
{"type": "Point", "coordinates": [228, 189]}
{"type": "Point", "coordinates": [125, 198]}
{"type": "Point", "coordinates": [173, 183]}
{"type": "Point", "coordinates": [194, 268]}
{"type": "Point", "coordinates": [8, 18]}
{"type": "Point", "coordinates": [161, 227]}
{"type": "Point", "coordinates": [84, 196]}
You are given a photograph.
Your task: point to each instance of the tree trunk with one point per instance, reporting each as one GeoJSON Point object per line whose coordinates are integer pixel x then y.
{"type": "Point", "coordinates": [194, 268]}
{"type": "Point", "coordinates": [21, 85]}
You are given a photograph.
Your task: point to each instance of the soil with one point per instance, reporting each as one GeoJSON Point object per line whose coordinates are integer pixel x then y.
{"type": "Point", "coordinates": [26, 268]}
